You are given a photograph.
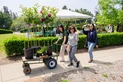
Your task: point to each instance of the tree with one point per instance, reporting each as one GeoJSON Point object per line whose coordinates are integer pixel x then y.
{"type": "Point", "coordinates": [64, 7]}
{"type": "Point", "coordinates": [5, 20]}
{"type": "Point", "coordinates": [110, 14]}
{"type": "Point", "coordinates": [84, 11]}
{"type": "Point", "coordinates": [5, 8]}
{"type": "Point", "coordinates": [17, 24]}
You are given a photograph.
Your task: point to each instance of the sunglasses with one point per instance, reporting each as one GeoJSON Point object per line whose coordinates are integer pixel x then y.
{"type": "Point", "coordinates": [71, 28]}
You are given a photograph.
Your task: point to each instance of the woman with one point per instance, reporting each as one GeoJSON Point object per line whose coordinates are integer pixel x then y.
{"type": "Point", "coordinates": [73, 42]}
{"type": "Point", "coordinates": [92, 40]}
{"type": "Point", "coordinates": [63, 38]}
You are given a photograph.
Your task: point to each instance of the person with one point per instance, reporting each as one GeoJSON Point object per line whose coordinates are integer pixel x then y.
{"type": "Point", "coordinates": [63, 38]}
{"type": "Point", "coordinates": [92, 40]}
{"type": "Point", "coordinates": [54, 30]}
{"type": "Point", "coordinates": [110, 28]}
{"type": "Point", "coordinates": [73, 42]}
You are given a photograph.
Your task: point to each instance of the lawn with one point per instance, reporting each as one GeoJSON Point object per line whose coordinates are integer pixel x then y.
{"type": "Point", "coordinates": [5, 36]}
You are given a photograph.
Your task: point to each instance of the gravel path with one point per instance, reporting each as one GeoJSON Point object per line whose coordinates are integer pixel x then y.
{"type": "Point", "coordinates": [105, 72]}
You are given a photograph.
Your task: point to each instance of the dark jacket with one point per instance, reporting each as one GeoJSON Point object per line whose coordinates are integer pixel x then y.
{"type": "Point", "coordinates": [92, 36]}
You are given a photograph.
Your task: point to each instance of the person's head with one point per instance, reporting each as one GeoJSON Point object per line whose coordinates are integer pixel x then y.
{"type": "Point", "coordinates": [71, 29]}
{"type": "Point", "coordinates": [92, 27]}
{"type": "Point", "coordinates": [61, 28]}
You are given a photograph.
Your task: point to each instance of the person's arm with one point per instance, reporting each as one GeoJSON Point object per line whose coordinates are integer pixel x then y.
{"type": "Point", "coordinates": [85, 32]}
{"type": "Point", "coordinates": [95, 38]}
{"type": "Point", "coordinates": [76, 37]}
{"type": "Point", "coordinates": [57, 40]}
{"type": "Point", "coordinates": [64, 40]}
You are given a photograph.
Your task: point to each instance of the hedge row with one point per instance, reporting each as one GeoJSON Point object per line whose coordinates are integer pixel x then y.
{"type": "Point", "coordinates": [16, 45]}
{"type": "Point", "coordinates": [24, 30]}
{"type": "Point", "coordinates": [4, 31]}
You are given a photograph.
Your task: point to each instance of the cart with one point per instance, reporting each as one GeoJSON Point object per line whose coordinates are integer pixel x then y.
{"type": "Point", "coordinates": [49, 60]}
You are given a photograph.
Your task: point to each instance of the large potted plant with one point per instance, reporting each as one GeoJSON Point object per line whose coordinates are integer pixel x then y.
{"type": "Point", "coordinates": [32, 17]}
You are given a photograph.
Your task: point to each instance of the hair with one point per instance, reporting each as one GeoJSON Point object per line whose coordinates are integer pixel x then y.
{"type": "Point", "coordinates": [61, 26]}
{"type": "Point", "coordinates": [93, 27]}
{"type": "Point", "coordinates": [70, 28]}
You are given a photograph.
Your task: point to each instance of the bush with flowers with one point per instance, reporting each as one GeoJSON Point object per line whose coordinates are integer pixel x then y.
{"type": "Point", "coordinates": [48, 14]}
{"type": "Point", "coordinates": [33, 16]}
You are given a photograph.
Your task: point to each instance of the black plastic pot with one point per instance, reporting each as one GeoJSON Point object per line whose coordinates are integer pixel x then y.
{"type": "Point", "coordinates": [35, 49]}
{"type": "Point", "coordinates": [49, 51]}
{"type": "Point", "coordinates": [28, 53]}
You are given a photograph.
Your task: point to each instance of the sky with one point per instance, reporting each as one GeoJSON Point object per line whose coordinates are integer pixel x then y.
{"type": "Point", "coordinates": [72, 4]}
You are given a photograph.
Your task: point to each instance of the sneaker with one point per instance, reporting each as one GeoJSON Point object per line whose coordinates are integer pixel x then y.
{"type": "Point", "coordinates": [90, 60]}
{"type": "Point", "coordinates": [77, 64]}
{"type": "Point", "coordinates": [71, 64]}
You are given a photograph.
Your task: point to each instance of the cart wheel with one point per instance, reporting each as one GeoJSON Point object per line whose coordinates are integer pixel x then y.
{"type": "Point", "coordinates": [25, 65]}
{"type": "Point", "coordinates": [51, 63]}
{"type": "Point", "coordinates": [27, 70]}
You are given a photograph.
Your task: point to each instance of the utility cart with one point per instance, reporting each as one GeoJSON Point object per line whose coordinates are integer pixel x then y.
{"type": "Point", "coordinates": [49, 58]}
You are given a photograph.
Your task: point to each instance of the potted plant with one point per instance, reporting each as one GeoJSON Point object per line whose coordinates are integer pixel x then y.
{"type": "Point", "coordinates": [42, 51]}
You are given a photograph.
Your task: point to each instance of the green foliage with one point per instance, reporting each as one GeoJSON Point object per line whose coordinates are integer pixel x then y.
{"type": "Point", "coordinates": [30, 15]}
{"type": "Point", "coordinates": [42, 50]}
{"type": "Point", "coordinates": [33, 16]}
{"type": "Point", "coordinates": [64, 80]}
{"type": "Point", "coordinates": [110, 39]}
{"type": "Point", "coordinates": [17, 25]}
{"type": "Point", "coordinates": [48, 14]}
{"type": "Point", "coordinates": [24, 30]}
{"type": "Point", "coordinates": [4, 31]}
{"type": "Point", "coordinates": [5, 20]}
{"type": "Point", "coordinates": [16, 45]}
{"type": "Point", "coordinates": [86, 67]}
{"type": "Point", "coordinates": [109, 13]}
{"type": "Point", "coordinates": [64, 7]}
{"type": "Point", "coordinates": [105, 75]}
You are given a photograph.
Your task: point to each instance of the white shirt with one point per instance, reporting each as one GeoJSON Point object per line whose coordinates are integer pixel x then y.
{"type": "Point", "coordinates": [73, 39]}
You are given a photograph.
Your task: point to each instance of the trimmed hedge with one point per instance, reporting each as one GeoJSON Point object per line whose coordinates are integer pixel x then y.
{"type": "Point", "coordinates": [4, 31]}
{"type": "Point", "coordinates": [16, 45]}
{"type": "Point", "coordinates": [24, 30]}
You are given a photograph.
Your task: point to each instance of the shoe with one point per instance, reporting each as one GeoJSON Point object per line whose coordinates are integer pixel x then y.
{"type": "Point", "coordinates": [91, 60]}
{"type": "Point", "coordinates": [62, 61]}
{"type": "Point", "coordinates": [71, 64]}
{"type": "Point", "coordinates": [77, 64]}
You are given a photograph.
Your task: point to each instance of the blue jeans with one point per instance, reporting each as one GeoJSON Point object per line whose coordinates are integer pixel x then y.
{"type": "Point", "coordinates": [90, 48]}
{"type": "Point", "coordinates": [72, 54]}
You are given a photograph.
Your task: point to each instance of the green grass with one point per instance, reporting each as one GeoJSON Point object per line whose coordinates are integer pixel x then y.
{"type": "Point", "coordinates": [86, 67]}
{"type": "Point", "coordinates": [4, 37]}
{"type": "Point", "coordinates": [105, 75]}
{"type": "Point", "coordinates": [64, 80]}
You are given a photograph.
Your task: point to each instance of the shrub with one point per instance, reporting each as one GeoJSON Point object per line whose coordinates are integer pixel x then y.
{"type": "Point", "coordinates": [16, 45]}
{"type": "Point", "coordinates": [24, 30]}
{"type": "Point", "coordinates": [4, 31]}
{"type": "Point", "coordinates": [110, 39]}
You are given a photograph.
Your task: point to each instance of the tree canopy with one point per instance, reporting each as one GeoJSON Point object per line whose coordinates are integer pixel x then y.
{"type": "Point", "coordinates": [5, 20]}
{"type": "Point", "coordinates": [110, 12]}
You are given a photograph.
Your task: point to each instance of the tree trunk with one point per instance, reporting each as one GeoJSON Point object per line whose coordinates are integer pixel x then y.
{"type": "Point", "coordinates": [120, 28]}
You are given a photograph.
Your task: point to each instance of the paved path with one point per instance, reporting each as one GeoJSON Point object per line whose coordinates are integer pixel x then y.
{"type": "Point", "coordinates": [14, 72]}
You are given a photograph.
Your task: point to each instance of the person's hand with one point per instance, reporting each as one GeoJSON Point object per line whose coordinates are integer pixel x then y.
{"type": "Point", "coordinates": [63, 44]}
{"type": "Point", "coordinates": [56, 42]}
{"type": "Point", "coordinates": [77, 32]}
{"type": "Point", "coordinates": [96, 46]}
{"type": "Point", "coordinates": [83, 26]}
